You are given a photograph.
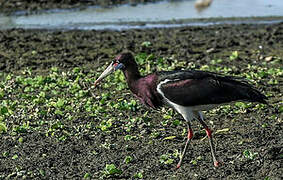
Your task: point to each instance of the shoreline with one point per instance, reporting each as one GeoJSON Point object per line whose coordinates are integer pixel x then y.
{"type": "Point", "coordinates": [7, 23]}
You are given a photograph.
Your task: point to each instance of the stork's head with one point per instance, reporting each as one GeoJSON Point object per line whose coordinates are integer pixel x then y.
{"type": "Point", "coordinates": [124, 61]}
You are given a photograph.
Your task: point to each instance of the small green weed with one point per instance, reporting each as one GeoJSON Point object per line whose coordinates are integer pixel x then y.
{"type": "Point", "coordinates": [195, 161]}
{"type": "Point", "coordinates": [87, 175]}
{"type": "Point", "coordinates": [139, 175]}
{"type": "Point", "coordinates": [128, 159]}
{"type": "Point", "coordinates": [250, 155]}
{"type": "Point", "coordinates": [3, 127]}
{"type": "Point", "coordinates": [146, 43]}
{"type": "Point", "coordinates": [166, 159]}
{"type": "Point", "coordinates": [234, 56]}
{"type": "Point", "coordinates": [111, 170]}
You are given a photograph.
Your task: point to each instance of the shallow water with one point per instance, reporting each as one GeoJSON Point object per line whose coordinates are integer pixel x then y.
{"type": "Point", "coordinates": [145, 15]}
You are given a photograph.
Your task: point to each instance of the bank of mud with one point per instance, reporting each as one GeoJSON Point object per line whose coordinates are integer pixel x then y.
{"type": "Point", "coordinates": [35, 6]}
{"type": "Point", "coordinates": [40, 50]}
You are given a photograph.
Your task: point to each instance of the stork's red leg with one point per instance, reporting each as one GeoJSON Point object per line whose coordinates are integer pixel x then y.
{"type": "Point", "coordinates": [190, 136]}
{"type": "Point", "coordinates": [209, 134]}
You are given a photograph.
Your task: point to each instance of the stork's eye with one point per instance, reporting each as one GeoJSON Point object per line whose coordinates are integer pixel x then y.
{"type": "Point", "coordinates": [115, 61]}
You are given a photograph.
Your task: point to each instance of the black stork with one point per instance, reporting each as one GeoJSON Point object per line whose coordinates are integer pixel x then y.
{"type": "Point", "coordinates": [189, 92]}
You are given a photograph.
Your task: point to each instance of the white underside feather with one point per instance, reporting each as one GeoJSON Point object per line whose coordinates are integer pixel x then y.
{"type": "Point", "coordinates": [186, 111]}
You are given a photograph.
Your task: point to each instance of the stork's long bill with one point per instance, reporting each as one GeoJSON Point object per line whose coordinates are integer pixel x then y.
{"type": "Point", "coordinates": [115, 65]}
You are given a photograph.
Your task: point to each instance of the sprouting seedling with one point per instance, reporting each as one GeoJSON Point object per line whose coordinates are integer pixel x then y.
{"type": "Point", "coordinates": [166, 159]}
{"type": "Point", "coordinates": [235, 55]}
{"type": "Point", "coordinates": [146, 44]}
{"type": "Point", "coordinates": [111, 170]}
{"type": "Point", "coordinates": [128, 159]}
{"type": "Point", "coordinates": [249, 154]}
{"type": "Point", "coordinates": [3, 128]}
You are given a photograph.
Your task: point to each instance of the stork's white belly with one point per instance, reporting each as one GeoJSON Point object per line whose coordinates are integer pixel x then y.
{"type": "Point", "coordinates": [181, 108]}
{"type": "Point", "coordinates": [186, 111]}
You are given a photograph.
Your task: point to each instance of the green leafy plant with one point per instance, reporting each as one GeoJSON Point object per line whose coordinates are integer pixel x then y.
{"type": "Point", "coordinates": [249, 154]}
{"type": "Point", "coordinates": [128, 159]}
{"type": "Point", "coordinates": [111, 170]}
{"type": "Point", "coordinates": [129, 137]}
{"type": "Point", "coordinates": [195, 161]}
{"type": "Point", "coordinates": [216, 61]}
{"type": "Point", "coordinates": [87, 175]}
{"type": "Point", "coordinates": [146, 43]}
{"type": "Point", "coordinates": [15, 157]}
{"type": "Point", "coordinates": [234, 56]}
{"type": "Point", "coordinates": [139, 175]}
{"type": "Point", "coordinates": [3, 127]}
{"type": "Point", "coordinates": [5, 154]}
{"type": "Point", "coordinates": [105, 124]}
{"type": "Point", "coordinates": [166, 159]}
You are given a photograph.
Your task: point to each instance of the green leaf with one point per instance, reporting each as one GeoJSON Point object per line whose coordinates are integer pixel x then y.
{"type": "Point", "coordinates": [87, 175]}
{"type": "Point", "coordinates": [138, 175]}
{"type": "Point", "coordinates": [3, 110]}
{"type": "Point", "coordinates": [250, 155]}
{"type": "Point", "coordinates": [5, 154]}
{"type": "Point", "coordinates": [129, 137]}
{"type": "Point", "coordinates": [15, 157]}
{"type": "Point", "coordinates": [60, 103]}
{"type": "Point", "coordinates": [76, 70]}
{"type": "Point", "coordinates": [111, 169]}
{"type": "Point", "coordinates": [42, 172]}
{"type": "Point", "coordinates": [166, 116]}
{"type": "Point", "coordinates": [176, 122]}
{"type": "Point", "coordinates": [42, 94]}
{"type": "Point", "coordinates": [21, 140]}
{"type": "Point", "coordinates": [146, 43]}
{"type": "Point", "coordinates": [54, 69]}
{"type": "Point", "coordinates": [169, 138]}
{"type": "Point", "coordinates": [128, 159]}
{"type": "Point", "coordinates": [194, 162]}
{"type": "Point", "coordinates": [3, 128]}
{"type": "Point", "coordinates": [235, 55]}
{"type": "Point", "coordinates": [222, 130]}
{"type": "Point", "coordinates": [2, 93]}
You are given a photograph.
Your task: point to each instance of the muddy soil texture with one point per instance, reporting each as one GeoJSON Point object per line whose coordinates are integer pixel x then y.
{"type": "Point", "coordinates": [34, 6]}
{"type": "Point", "coordinates": [72, 158]}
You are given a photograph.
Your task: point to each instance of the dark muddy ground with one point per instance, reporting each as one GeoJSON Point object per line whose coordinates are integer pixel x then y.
{"type": "Point", "coordinates": [257, 130]}
{"type": "Point", "coordinates": [90, 48]}
{"type": "Point", "coordinates": [33, 6]}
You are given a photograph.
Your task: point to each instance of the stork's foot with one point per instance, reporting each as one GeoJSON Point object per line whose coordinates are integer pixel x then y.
{"type": "Point", "coordinates": [217, 163]}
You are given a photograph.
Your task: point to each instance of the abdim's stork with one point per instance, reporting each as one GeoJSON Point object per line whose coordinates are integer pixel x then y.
{"type": "Point", "coordinates": [189, 92]}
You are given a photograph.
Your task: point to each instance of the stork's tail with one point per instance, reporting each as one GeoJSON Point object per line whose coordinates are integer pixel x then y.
{"type": "Point", "coordinates": [255, 95]}
{"type": "Point", "coordinates": [246, 91]}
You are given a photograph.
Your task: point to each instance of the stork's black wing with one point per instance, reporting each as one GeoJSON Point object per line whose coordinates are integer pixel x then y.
{"type": "Point", "coordinates": [191, 88]}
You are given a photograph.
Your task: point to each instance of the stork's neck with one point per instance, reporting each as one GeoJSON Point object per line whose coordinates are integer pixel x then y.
{"type": "Point", "coordinates": [132, 75]}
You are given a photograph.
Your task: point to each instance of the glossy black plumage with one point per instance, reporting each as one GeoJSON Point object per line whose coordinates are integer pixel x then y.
{"type": "Point", "coordinates": [193, 88]}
